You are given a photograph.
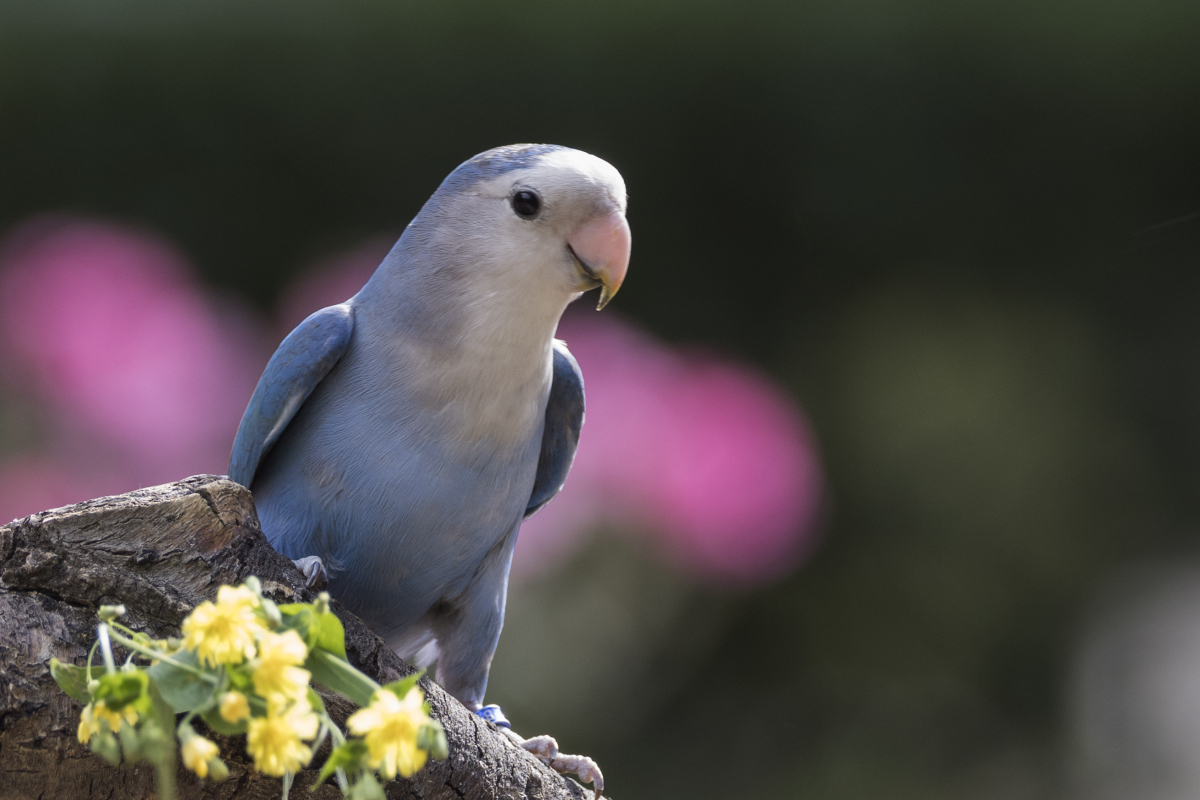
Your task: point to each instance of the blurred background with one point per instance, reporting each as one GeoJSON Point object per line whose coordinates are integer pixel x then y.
{"type": "Point", "coordinates": [890, 485]}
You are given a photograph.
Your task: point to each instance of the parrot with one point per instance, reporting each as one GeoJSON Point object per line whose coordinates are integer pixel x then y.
{"type": "Point", "coordinates": [396, 441]}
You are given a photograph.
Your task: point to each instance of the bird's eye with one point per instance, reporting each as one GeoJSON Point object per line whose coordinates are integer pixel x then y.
{"type": "Point", "coordinates": [526, 203]}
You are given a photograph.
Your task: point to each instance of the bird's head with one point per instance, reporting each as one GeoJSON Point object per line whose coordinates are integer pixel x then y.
{"type": "Point", "coordinates": [544, 213]}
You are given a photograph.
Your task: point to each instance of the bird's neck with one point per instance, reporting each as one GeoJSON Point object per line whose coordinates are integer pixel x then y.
{"type": "Point", "coordinates": [476, 348]}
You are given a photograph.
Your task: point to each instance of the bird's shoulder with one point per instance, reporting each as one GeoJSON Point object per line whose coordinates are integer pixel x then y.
{"type": "Point", "coordinates": [298, 366]}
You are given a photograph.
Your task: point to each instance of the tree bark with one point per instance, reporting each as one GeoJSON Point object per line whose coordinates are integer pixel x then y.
{"type": "Point", "coordinates": [160, 551]}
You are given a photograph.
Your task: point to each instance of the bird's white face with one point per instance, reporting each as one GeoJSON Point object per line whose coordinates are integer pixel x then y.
{"type": "Point", "coordinates": [559, 224]}
{"type": "Point", "coordinates": [475, 288]}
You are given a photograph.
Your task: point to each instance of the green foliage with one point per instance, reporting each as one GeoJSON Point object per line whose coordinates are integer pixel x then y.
{"type": "Point", "coordinates": [159, 744]}
{"type": "Point", "coordinates": [366, 788]}
{"type": "Point", "coordinates": [318, 628]}
{"type": "Point", "coordinates": [105, 744]}
{"type": "Point", "coordinates": [301, 618]}
{"type": "Point", "coordinates": [335, 673]}
{"type": "Point", "coordinates": [120, 689]}
{"type": "Point", "coordinates": [331, 636]}
{"type": "Point", "coordinates": [182, 682]}
{"type": "Point", "coordinates": [349, 756]}
{"type": "Point", "coordinates": [432, 737]}
{"type": "Point", "coordinates": [402, 687]}
{"type": "Point", "coordinates": [213, 719]}
{"type": "Point", "coordinates": [130, 712]}
{"type": "Point", "coordinates": [71, 679]}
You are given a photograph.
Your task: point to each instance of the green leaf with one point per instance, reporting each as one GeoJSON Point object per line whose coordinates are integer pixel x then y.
{"type": "Point", "coordinates": [366, 788]}
{"type": "Point", "coordinates": [323, 630]}
{"type": "Point", "coordinates": [331, 635]}
{"type": "Point", "coordinates": [315, 701]}
{"type": "Point", "coordinates": [213, 719]}
{"type": "Point", "coordinates": [402, 687]}
{"type": "Point", "coordinates": [120, 689]}
{"type": "Point", "coordinates": [240, 677]}
{"type": "Point", "coordinates": [301, 618]}
{"type": "Point", "coordinates": [71, 679]}
{"type": "Point", "coordinates": [183, 689]}
{"type": "Point", "coordinates": [337, 675]}
{"type": "Point", "coordinates": [350, 755]}
{"type": "Point", "coordinates": [432, 737]}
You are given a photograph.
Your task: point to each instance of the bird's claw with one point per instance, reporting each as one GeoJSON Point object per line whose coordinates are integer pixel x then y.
{"type": "Point", "coordinates": [585, 768]}
{"type": "Point", "coordinates": [545, 748]}
{"type": "Point", "coordinates": [313, 569]}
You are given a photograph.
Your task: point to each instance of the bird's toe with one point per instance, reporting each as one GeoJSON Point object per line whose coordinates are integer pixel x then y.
{"type": "Point", "coordinates": [313, 569]}
{"type": "Point", "coordinates": [585, 768]}
{"type": "Point", "coordinates": [544, 747]}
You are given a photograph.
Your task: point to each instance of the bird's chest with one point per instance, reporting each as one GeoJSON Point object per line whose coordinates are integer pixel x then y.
{"type": "Point", "coordinates": [455, 440]}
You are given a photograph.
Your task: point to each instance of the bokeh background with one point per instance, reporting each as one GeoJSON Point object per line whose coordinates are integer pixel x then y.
{"type": "Point", "coordinates": [891, 479]}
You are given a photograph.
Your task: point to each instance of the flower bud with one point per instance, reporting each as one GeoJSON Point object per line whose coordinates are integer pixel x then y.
{"type": "Point", "coordinates": [271, 612]}
{"type": "Point", "coordinates": [321, 606]}
{"type": "Point", "coordinates": [217, 771]}
{"type": "Point", "coordinates": [106, 745]}
{"type": "Point", "coordinates": [109, 613]}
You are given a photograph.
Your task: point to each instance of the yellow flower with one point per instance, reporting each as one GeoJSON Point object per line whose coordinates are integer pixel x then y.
{"type": "Point", "coordinates": [234, 707]}
{"type": "Point", "coordinates": [276, 673]}
{"type": "Point", "coordinates": [197, 752]}
{"type": "Point", "coordinates": [93, 715]}
{"type": "Point", "coordinates": [224, 633]}
{"type": "Point", "coordinates": [88, 724]}
{"type": "Point", "coordinates": [390, 727]}
{"type": "Point", "coordinates": [274, 742]}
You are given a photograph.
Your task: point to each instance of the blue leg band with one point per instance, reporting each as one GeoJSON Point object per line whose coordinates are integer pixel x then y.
{"type": "Point", "coordinates": [492, 713]}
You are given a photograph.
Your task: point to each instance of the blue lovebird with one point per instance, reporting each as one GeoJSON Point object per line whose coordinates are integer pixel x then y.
{"type": "Point", "coordinates": [402, 436]}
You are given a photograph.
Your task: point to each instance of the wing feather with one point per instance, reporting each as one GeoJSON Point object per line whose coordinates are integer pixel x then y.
{"type": "Point", "coordinates": [564, 419]}
{"type": "Point", "coordinates": [302, 361]}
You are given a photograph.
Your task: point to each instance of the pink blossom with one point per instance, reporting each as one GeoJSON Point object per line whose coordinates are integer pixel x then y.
{"type": "Point", "coordinates": [706, 457]}
{"type": "Point", "coordinates": [107, 324]}
{"type": "Point", "coordinates": [740, 484]}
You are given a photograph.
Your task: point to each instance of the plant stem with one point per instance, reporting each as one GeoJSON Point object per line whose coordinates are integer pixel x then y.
{"type": "Point", "coordinates": [91, 656]}
{"type": "Point", "coordinates": [110, 664]}
{"type": "Point", "coordinates": [132, 645]}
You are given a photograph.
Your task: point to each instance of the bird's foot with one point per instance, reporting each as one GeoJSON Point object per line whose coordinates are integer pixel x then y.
{"type": "Point", "coordinates": [313, 569]}
{"type": "Point", "coordinates": [545, 749]}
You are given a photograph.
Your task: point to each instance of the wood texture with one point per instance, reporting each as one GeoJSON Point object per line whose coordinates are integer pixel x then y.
{"type": "Point", "coordinates": [160, 551]}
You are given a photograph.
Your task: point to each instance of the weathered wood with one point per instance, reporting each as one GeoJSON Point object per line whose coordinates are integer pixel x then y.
{"type": "Point", "coordinates": [160, 551]}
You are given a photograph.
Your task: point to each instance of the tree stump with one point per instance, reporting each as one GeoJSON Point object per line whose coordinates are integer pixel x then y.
{"type": "Point", "coordinates": [160, 551]}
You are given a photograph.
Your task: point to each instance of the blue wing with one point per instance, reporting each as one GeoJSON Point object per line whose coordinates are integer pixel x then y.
{"type": "Point", "coordinates": [564, 418]}
{"type": "Point", "coordinates": [301, 362]}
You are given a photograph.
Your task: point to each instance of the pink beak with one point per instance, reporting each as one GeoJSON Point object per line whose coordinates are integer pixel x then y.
{"type": "Point", "coordinates": [602, 248]}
